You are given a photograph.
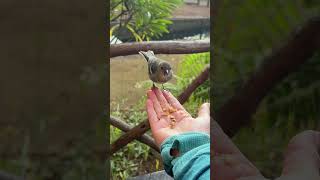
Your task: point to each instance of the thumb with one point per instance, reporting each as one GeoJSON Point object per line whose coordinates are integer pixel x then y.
{"type": "Point", "coordinates": [302, 155]}
{"type": "Point", "coordinates": [204, 110]}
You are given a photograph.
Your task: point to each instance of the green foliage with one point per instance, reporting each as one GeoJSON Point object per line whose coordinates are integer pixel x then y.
{"type": "Point", "coordinates": [248, 31]}
{"type": "Point", "coordinates": [126, 161]}
{"type": "Point", "coordinates": [297, 96]}
{"type": "Point", "coordinates": [191, 66]}
{"type": "Point", "coordinates": [144, 19]}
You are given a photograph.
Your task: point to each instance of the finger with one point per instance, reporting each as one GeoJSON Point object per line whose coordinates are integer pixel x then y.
{"type": "Point", "coordinates": [156, 104]}
{"type": "Point", "coordinates": [302, 155]}
{"type": "Point", "coordinates": [223, 145]}
{"type": "Point", "coordinates": [172, 100]}
{"type": "Point", "coordinates": [233, 166]}
{"type": "Point", "coordinates": [163, 102]}
{"type": "Point", "coordinates": [204, 110]}
{"type": "Point", "coordinates": [152, 115]}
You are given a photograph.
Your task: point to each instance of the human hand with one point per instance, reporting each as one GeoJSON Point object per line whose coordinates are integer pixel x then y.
{"type": "Point", "coordinates": [167, 117]}
{"type": "Point", "coordinates": [228, 161]}
{"type": "Point", "coordinates": [302, 160]}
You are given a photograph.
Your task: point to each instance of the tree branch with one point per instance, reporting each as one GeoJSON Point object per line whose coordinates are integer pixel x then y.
{"type": "Point", "coordinates": [237, 111]}
{"type": "Point", "coordinates": [144, 126]}
{"type": "Point", "coordinates": [114, 6]}
{"type": "Point", "coordinates": [121, 14]}
{"type": "Point", "coordinates": [146, 139]}
{"type": "Point", "coordinates": [160, 47]}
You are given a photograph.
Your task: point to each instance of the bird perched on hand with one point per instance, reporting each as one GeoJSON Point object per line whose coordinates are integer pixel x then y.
{"type": "Point", "coordinates": [159, 70]}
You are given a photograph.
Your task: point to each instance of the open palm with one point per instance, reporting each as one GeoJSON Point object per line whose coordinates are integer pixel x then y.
{"type": "Point", "coordinates": [168, 117]}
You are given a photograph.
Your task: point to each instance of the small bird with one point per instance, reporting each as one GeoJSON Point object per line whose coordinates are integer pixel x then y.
{"type": "Point", "coordinates": [159, 70]}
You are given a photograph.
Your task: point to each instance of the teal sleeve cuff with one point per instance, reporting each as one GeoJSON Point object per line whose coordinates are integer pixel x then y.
{"type": "Point", "coordinates": [194, 141]}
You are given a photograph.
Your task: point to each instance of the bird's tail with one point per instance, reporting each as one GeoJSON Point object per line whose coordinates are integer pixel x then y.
{"type": "Point", "coordinates": [147, 54]}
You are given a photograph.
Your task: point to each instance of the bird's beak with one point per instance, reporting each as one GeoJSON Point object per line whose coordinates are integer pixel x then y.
{"type": "Point", "coordinates": [167, 71]}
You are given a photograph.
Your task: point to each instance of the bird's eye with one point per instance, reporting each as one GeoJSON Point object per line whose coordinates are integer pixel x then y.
{"type": "Point", "coordinates": [161, 67]}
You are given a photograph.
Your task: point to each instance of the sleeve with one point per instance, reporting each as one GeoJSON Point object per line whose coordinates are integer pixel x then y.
{"type": "Point", "coordinates": [193, 161]}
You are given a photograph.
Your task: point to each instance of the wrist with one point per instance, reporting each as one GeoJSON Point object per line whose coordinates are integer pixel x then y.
{"type": "Point", "coordinates": [176, 146]}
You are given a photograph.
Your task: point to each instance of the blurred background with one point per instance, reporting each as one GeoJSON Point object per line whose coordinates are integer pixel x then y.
{"type": "Point", "coordinates": [246, 32]}
{"type": "Point", "coordinates": [142, 20]}
{"type": "Point", "coordinates": [52, 89]}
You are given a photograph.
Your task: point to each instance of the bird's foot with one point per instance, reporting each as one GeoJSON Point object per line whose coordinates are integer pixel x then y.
{"type": "Point", "coordinates": [163, 87]}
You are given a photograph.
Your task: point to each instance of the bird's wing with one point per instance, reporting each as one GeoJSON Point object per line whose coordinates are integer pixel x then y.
{"type": "Point", "coordinates": [147, 55]}
{"type": "Point", "coordinates": [152, 68]}
{"type": "Point", "coordinates": [150, 53]}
